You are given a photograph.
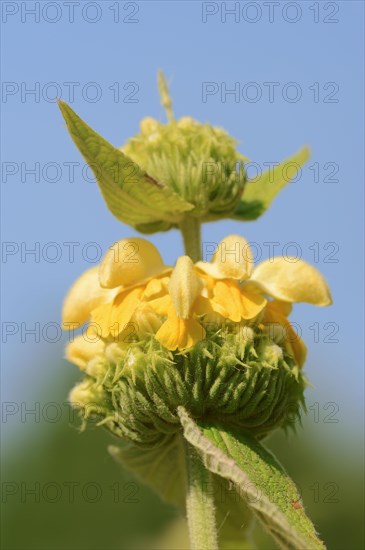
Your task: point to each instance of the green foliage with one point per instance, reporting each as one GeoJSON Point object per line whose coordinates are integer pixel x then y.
{"type": "Point", "coordinates": [235, 521]}
{"type": "Point", "coordinates": [162, 468]}
{"type": "Point", "coordinates": [178, 167]}
{"type": "Point", "coordinates": [130, 193]}
{"type": "Point", "coordinates": [261, 191]}
{"type": "Point", "coordinates": [58, 453]}
{"type": "Point", "coordinates": [258, 477]}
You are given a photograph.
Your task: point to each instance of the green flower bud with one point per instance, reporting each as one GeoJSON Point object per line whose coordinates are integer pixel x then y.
{"type": "Point", "coordinates": [90, 398]}
{"type": "Point", "coordinates": [197, 161]}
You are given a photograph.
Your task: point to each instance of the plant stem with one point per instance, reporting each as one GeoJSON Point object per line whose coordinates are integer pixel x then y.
{"type": "Point", "coordinates": [190, 229]}
{"type": "Point", "coordinates": [200, 503]}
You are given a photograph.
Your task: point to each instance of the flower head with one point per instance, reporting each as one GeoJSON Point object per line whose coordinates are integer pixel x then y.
{"type": "Point", "coordinates": [229, 289]}
{"type": "Point", "coordinates": [133, 285]}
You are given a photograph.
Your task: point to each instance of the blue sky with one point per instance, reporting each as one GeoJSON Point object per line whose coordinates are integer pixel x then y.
{"type": "Point", "coordinates": [311, 51]}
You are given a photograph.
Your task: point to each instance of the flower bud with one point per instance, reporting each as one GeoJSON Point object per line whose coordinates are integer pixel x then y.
{"type": "Point", "coordinates": [90, 398]}
{"type": "Point", "coordinates": [197, 161]}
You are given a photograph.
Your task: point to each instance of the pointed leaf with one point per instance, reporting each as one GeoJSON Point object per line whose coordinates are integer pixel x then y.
{"type": "Point", "coordinates": [131, 195]}
{"type": "Point", "coordinates": [260, 192]}
{"type": "Point", "coordinates": [260, 479]}
{"type": "Point", "coordinates": [233, 516]}
{"type": "Point", "coordinates": [161, 468]}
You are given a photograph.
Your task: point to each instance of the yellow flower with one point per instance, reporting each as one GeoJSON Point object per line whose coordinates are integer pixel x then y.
{"type": "Point", "coordinates": [289, 280]}
{"type": "Point", "coordinates": [84, 348]}
{"type": "Point", "coordinates": [229, 288]}
{"type": "Point", "coordinates": [84, 296]}
{"type": "Point", "coordinates": [275, 316]}
{"type": "Point", "coordinates": [292, 280]}
{"type": "Point", "coordinates": [231, 266]}
{"type": "Point", "coordinates": [133, 293]}
{"type": "Point", "coordinates": [180, 330]}
{"type": "Point", "coordinates": [212, 290]}
{"type": "Point", "coordinates": [131, 274]}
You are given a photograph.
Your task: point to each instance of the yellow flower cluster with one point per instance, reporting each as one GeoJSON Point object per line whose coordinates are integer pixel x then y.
{"type": "Point", "coordinates": [133, 286]}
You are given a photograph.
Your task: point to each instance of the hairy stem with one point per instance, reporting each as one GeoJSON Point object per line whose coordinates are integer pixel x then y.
{"type": "Point", "coordinates": [190, 229]}
{"type": "Point", "coordinates": [200, 503]}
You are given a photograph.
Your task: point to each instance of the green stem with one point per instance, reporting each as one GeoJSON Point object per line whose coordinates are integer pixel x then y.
{"type": "Point", "coordinates": [190, 229]}
{"type": "Point", "coordinates": [200, 504]}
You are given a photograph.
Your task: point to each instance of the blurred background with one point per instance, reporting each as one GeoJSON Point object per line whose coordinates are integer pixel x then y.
{"type": "Point", "coordinates": [295, 73]}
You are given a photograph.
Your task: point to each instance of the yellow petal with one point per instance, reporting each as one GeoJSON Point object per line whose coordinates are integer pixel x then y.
{"type": "Point", "coordinates": [203, 306]}
{"type": "Point", "coordinates": [82, 349]}
{"type": "Point", "coordinates": [292, 280]}
{"type": "Point", "coordinates": [227, 298]}
{"type": "Point", "coordinates": [213, 317]}
{"type": "Point", "coordinates": [295, 345]}
{"type": "Point", "coordinates": [234, 303]}
{"type": "Point", "coordinates": [156, 288]}
{"type": "Point", "coordinates": [124, 307]}
{"type": "Point", "coordinates": [177, 333]}
{"type": "Point", "coordinates": [88, 396]}
{"type": "Point", "coordinates": [101, 319]}
{"type": "Point", "coordinates": [233, 259]}
{"type": "Point", "coordinates": [298, 348]}
{"type": "Point", "coordinates": [84, 296]}
{"type": "Point", "coordinates": [161, 305]}
{"type": "Point", "coordinates": [184, 286]}
{"type": "Point", "coordinates": [128, 262]}
{"type": "Point", "coordinates": [145, 320]}
{"type": "Point", "coordinates": [252, 304]}
{"type": "Point", "coordinates": [285, 308]}
{"type": "Point", "coordinates": [112, 319]}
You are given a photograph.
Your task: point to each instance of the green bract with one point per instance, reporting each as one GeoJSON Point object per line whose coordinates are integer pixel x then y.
{"type": "Point", "coordinates": [182, 168]}
{"type": "Point", "coordinates": [244, 380]}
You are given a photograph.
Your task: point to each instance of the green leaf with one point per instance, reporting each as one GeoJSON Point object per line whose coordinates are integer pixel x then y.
{"type": "Point", "coordinates": [161, 468]}
{"type": "Point", "coordinates": [234, 517]}
{"type": "Point", "coordinates": [260, 192]}
{"type": "Point", "coordinates": [149, 228]}
{"type": "Point", "coordinates": [258, 477]}
{"type": "Point", "coordinates": [130, 193]}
